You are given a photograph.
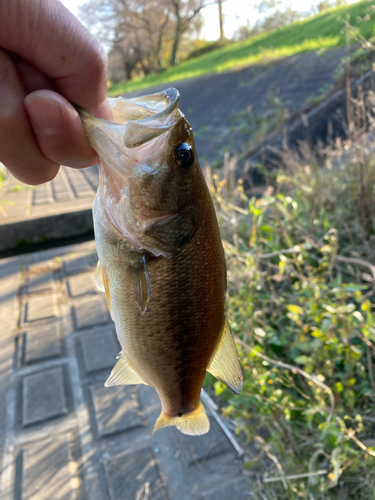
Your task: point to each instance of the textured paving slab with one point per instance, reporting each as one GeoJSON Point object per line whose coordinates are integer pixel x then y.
{"type": "Point", "coordinates": [40, 307]}
{"type": "Point", "coordinates": [68, 186]}
{"type": "Point", "coordinates": [116, 409]}
{"type": "Point", "coordinates": [63, 435]}
{"type": "Point", "coordinates": [236, 490]}
{"type": "Point", "coordinates": [135, 475]}
{"type": "Point", "coordinates": [90, 312]}
{"type": "Point", "coordinates": [82, 284]}
{"type": "Point", "coordinates": [78, 264]}
{"type": "Point", "coordinates": [99, 349]}
{"type": "Point", "coordinates": [40, 283]}
{"type": "Point", "coordinates": [43, 396]}
{"type": "Point", "coordinates": [47, 471]}
{"type": "Point", "coordinates": [42, 343]}
{"type": "Point", "coordinates": [52, 211]}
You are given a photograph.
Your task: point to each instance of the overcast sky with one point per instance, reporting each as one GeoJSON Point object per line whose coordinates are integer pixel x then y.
{"type": "Point", "coordinates": [236, 13]}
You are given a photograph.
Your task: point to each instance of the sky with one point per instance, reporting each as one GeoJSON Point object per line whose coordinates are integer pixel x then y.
{"type": "Point", "coordinates": [236, 14]}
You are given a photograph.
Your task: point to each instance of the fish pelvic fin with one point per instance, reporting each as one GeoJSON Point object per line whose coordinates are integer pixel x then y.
{"type": "Point", "coordinates": [123, 374]}
{"type": "Point", "coordinates": [102, 285]}
{"type": "Point", "coordinates": [99, 277]}
{"type": "Point", "coordinates": [194, 423]}
{"type": "Point", "coordinates": [141, 283]}
{"type": "Point", "coordinates": [225, 364]}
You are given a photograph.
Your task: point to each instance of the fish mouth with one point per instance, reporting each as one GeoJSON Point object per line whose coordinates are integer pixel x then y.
{"type": "Point", "coordinates": [145, 108]}
{"type": "Point", "coordinates": [135, 121]}
{"type": "Point", "coordinates": [146, 117]}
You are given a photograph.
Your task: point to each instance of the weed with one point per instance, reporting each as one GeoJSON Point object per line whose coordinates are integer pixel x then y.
{"type": "Point", "coordinates": [21, 242]}
{"type": "Point", "coordinates": [301, 314]}
{"type": "Point", "coordinates": [259, 125]}
{"type": "Point", "coordinates": [3, 174]}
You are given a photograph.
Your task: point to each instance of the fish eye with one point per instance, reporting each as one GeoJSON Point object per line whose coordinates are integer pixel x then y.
{"type": "Point", "coordinates": [184, 155]}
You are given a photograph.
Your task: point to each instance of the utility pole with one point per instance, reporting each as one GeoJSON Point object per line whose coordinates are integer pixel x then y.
{"type": "Point", "coordinates": [220, 4]}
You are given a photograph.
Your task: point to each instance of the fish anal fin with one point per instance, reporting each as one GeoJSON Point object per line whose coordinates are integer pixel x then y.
{"type": "Point", "coordinates": [101, 280]}
{"type": "Point", "coordinates": [194, 423]}
{"type": "Point", "coordinates": [123, 374]}
{"type": "Point", "coordinates": [141, 283]}
{"type": "Point", "coordinates": [224, 364]}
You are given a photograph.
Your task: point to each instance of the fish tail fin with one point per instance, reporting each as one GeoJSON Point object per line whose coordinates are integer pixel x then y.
{"type": "Point", "coordinates": [194, 423]}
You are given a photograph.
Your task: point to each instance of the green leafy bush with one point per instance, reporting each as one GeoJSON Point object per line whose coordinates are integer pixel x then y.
{"type": "Point", "coordinates": [300, 286]}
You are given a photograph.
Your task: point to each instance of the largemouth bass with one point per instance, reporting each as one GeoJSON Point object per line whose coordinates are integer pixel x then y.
{"type": "Point", "coordinates": [161, 260]}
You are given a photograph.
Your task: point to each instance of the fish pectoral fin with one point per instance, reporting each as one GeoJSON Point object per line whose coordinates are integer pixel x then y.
{"type": "Point", "coordinates": [225, 364]}
{"type": "Point", "coordinates": [141, 283]}
{"type": "Point", "coordinates": [123, 374]}
{"type": "Point", "coordinates": [102, 284]}
{"type": "Point", "coordinates": [194, 423]}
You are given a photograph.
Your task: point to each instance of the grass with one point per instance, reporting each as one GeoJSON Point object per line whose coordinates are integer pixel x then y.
{"type": "Point", "coordinates": [322, 32]}
{"type": "Point", "coordinates": [3, 174]}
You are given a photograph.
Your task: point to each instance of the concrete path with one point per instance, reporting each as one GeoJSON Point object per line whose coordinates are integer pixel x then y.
{"type": "Point", "coordinates": [63, 436]}
{"type": "Point", "coordinates": [60, 208]}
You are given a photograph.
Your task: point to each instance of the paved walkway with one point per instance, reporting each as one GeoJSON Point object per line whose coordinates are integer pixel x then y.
{"type": "Point", "coordinates": [58, 209]}
{"type": "Point", "coordinates": [63, 436]}
{"type": "Point", "coordinates": [70, 187]}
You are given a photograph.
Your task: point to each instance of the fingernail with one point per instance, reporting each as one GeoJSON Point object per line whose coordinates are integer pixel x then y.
{"type": "Point", "coordinates": [46, 115]}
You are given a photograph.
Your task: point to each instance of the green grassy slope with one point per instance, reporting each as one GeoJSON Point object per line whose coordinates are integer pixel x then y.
{"type": "Point", "coordinates": [321, 32]}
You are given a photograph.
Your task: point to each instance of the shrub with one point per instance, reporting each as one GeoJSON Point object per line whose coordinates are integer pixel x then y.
{"type": "Point", "coordinates": [300, 290]}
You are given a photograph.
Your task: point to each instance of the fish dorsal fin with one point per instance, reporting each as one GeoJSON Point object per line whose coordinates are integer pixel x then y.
{"type": "Point", "coordinates": [141, 283]}
{"type": "Point", "coordinates": [194, 423]}
{"type": "Point", "coordinates": [224, 364]}
{"type": "Point", "coordinates": [123, 374]}
{"type": "Point", "coordinates": [102, 284]}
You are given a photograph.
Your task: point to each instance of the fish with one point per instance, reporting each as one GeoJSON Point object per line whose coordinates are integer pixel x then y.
{"type": "Point", "coordinates": [161, 259]}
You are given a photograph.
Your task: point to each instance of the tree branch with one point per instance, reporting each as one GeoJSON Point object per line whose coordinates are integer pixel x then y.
{"type": "Point", "coordinates": [312, 378]}
{"type": "Point", "coordinates": [360, 262]}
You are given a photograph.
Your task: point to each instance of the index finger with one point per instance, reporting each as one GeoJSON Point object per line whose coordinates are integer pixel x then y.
{"type": "Point", "coordinates": [52, 39]}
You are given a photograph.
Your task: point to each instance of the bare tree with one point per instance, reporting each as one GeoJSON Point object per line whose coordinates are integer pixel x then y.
{"type": "Point", "coordinates": [184, 12]}
{"type": "Point", "coordinates": [140, 31]}
{"type": "Point", "coordinates": [221, 19]}
{"type": "Point", "coordinates": [133, 28]}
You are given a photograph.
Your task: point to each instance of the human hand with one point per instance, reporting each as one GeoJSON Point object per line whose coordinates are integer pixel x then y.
{"type": "Point", "coordinates": [48, 60]}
